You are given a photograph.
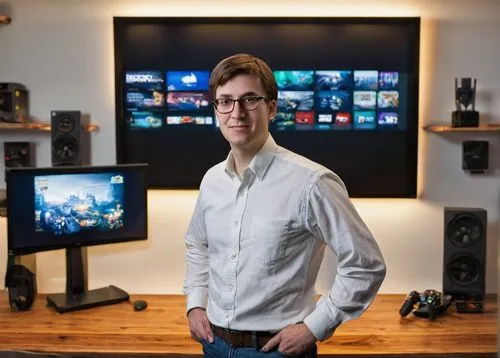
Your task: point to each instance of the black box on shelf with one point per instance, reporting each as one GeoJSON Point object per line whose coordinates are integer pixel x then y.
{"type": "Point", "coordinates": [464, 119]}
{"type": "Point", "coordinates": [13, 102]}
{"type": "Point", "coordinates": [19, 154]}
{"type": "Point", "coordinates": [475, 155]}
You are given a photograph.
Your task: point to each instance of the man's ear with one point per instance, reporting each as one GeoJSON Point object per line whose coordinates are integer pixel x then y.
{"type": "Point", "coordinates": [272, 105]}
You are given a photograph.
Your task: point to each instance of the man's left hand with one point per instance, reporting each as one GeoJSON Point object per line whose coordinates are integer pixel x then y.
{"type": "Point", "coordinates": [292, 340]}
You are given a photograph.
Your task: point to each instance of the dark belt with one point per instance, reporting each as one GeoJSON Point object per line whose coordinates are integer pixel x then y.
{"type": "Point", "coordinates": [255, 339]}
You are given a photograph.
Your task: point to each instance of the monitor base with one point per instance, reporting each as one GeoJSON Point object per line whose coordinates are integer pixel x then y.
{"type": "Point", "coordinates": [92, 298]}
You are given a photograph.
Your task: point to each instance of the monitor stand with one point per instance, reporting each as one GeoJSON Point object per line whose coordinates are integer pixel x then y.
{"type": "Point", "coordinates": [77, 297]}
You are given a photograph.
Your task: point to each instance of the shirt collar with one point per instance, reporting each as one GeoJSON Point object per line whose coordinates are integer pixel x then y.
{"type": "Point", "coordinates": [229, 168]}
{"type": "Point", "coordinates": [260, 162]}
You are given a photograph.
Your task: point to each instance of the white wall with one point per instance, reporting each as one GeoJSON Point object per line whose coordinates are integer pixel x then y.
{"type": "Point", "coordinates": [62, 50]}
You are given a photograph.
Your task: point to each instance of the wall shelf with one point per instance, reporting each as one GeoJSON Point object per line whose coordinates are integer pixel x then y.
{"type": "Point", "coordinates": [4, 19]}
{"type": "Point", "coordinates": [36, 127]}
{"type": "Point", "coordinates": [481, 128]}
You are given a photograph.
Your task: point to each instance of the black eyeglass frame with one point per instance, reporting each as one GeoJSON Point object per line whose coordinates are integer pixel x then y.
{"type": "Point", "coordinates": [240, 101]}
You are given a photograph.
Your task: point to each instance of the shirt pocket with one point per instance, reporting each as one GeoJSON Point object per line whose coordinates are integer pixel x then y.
{"type": "Point", "coordinates": [270, 237]}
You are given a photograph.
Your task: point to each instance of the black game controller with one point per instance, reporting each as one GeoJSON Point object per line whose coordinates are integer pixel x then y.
{"type": "Point", "coordinates": [430, 303]}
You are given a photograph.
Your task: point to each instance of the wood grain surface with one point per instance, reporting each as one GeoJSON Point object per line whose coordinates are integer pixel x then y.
{"type": "Point", "coordinates": [162, 330]}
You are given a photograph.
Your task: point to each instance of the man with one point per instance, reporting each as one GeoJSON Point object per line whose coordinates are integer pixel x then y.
{"type": "Point", "coordinates": [259, 230]}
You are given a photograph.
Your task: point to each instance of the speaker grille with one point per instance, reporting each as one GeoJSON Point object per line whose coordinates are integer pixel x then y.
{"type": "Point", "coordinates": [65, 123]}
{"type": "Point", "coordinates": [65, 148]}
{"type": "Point", "coordinates": [465, 230]}
{"type": "Point", "coordinates": [464, 269]}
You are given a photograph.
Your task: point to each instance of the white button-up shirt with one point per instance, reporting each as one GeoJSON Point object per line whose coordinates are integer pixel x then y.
{"type": "Point", "coordinates": [255, 244]}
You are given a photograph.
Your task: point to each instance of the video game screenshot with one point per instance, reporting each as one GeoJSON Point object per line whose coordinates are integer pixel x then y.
{"type": "Point", "coordinates": [70, 203]}
{"type": "Point", "coordinates": [187, 80]}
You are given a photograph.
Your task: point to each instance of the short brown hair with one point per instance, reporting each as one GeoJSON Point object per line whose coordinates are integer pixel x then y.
{"type": "Point", "coordinates": [239, 64]}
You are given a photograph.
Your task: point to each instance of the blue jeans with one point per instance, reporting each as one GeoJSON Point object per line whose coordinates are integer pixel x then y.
{"type": "Point", "coordinates": [222, 349]}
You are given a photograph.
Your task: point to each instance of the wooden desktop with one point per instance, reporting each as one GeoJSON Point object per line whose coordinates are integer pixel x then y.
{"type": "Point", "coordinates": [162, 330]}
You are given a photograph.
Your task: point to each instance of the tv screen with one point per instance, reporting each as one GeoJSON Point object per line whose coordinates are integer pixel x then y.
{"type": "Point", "coordinates": [348, 95]}
{"type": "Point", "coordinates": [64, 207]}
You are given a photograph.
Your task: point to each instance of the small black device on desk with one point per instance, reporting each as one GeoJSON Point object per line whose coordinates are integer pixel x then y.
{"type": "Point", "coordinates": [140, 305]}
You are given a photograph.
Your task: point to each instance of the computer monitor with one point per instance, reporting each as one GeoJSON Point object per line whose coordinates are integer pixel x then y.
{"type": "Point", "coordinates": [71, 207]}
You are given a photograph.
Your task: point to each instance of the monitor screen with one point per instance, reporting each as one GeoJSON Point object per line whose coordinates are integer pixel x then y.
{"type": "Point", "coordinates": [64, 207]}
{"type": "Point", "coordinates": [348, 95]}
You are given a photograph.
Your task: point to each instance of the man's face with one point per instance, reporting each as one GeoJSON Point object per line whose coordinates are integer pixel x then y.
{"type": "Point", "coordinates": [244, 129]}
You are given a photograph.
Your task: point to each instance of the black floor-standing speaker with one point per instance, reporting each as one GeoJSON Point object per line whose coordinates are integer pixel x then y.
{"type": "Point", "coordinates": [464, 264]}
{"type": "Point", "coordinates": [70, 140]}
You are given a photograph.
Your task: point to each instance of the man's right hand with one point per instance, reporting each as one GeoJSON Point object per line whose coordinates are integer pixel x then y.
{"type": "Point", "coordinates": [199, 326]}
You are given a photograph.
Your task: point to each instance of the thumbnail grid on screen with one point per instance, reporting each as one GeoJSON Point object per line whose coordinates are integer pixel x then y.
{"type": "Point", "coordinates": [307, 100]}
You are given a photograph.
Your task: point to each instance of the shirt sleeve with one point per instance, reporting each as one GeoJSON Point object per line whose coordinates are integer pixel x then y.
{"type": "Point", "coordinates": [196, 278]}
{"type": "Point", "coordinates": [331, 217]}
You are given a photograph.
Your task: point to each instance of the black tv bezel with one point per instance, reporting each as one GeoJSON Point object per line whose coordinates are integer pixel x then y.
{"type": "Point", "coordinates": [120, 23]}
{"type": "Point", "coordinates": [11, 172]}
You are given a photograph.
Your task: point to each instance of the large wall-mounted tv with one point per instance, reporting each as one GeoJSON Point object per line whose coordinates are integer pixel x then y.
{"type": "Point", "coordinates": [348, 95]}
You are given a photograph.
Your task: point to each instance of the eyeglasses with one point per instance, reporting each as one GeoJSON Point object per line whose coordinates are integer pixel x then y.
{"type": "Point", "coordinates": [226, 105]}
